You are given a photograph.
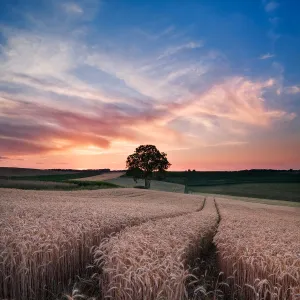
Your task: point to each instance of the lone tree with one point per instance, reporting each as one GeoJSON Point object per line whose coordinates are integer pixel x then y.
{"type": "Point", "coordinates": [144, 161]}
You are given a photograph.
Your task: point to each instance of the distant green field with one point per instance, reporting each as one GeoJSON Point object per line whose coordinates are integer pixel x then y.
{"type": "Point", "coordinates": [264, 184]}
{"type": "Point", "coordinates": [60, 181]}
{"type": "Point", "coordinates": [60, 177]}
{"type": "Point", "coordinates": [155, 184]}
{"type": "Point", "coordinates": [277, 191]}
{"type": "Point", "coordinates": [55, 185]}
{"type": "Point", "coordinates": [35, 185]}
{"type": "Point", "coordinates": [231, 177]}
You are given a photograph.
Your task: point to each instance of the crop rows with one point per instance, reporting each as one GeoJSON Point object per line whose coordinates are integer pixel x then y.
{"type": "Point", "coordinates": [151, 261]}
{"type": "Point", "coordinates": [259, 246]}
{"type": "Point", "coordinates": [46, 237]}
{"type": "Point", "coordinates": [149, 243]}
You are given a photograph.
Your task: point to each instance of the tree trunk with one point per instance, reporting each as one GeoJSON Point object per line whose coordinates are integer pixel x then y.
{"type": "Point", "coordinates": [147, 183]}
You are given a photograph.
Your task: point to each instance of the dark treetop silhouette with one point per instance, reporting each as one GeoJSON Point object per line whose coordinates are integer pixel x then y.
{"type": "Point", "coordinates": [144, 161]}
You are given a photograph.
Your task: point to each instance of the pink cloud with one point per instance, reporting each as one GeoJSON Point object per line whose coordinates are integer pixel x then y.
{"type": "Point", "coordinates": [36, 128]}
{"type": "Point", "coordinates": [293, 90]}
{"type": "Point", "coordinates": [236, 99]}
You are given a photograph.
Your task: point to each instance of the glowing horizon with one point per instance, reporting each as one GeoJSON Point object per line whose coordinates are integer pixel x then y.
{"type": "Point", "coordinates": [215, 86]}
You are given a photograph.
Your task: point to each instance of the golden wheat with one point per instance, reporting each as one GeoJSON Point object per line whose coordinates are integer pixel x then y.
{"type": "Point", "coordinates": [46, 240]}
{"type": "Point", "coordinates": [102, 177]}
{"type": "Point", "coordinates": [46, 237]}
{"type": "Point", "coordinates": [259, 246]}
{"type": "Point", "coordinates": [150, 261]}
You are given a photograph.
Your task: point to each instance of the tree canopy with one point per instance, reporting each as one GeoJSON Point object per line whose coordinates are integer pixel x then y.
{"type": "Point", "coordinates": [145, 160]}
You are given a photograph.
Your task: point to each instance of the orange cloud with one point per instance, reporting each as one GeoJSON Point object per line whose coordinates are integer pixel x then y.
{"type": "Point", "coordinates": [30, 128]}
{"type": "Point", "coordinates": [237, 99]}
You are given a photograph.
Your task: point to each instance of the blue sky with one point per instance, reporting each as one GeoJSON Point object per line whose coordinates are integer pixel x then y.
{"type": "Point", "coordinates": [216, 84]}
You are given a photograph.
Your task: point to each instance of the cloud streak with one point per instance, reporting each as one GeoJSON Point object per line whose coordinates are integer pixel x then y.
{"type": "Point", "coordinates": [177, 49]}
{"type": "Point", "coordinates": [64, 130]}
{"type": "Point", "coordinates": [72, 8]}
{"type": "Point", "coordinates": [266, 56]}
{"type": "Point", "coordinates": [271, 6]}
{"type": "Point", "coordinates": [237, 99]}
{"type": "Point", "coordinates": [292, 89]}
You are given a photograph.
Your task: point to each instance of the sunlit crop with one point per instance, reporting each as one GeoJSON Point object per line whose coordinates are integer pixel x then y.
{"type": "Point", "coordinates": [150, 261]}
{"type": "Point", "coordinates": [259, 246]}
{"type": "Point", "coordinates": [46, 237]}
{"type": "Point", "coordinates": [145, 244]}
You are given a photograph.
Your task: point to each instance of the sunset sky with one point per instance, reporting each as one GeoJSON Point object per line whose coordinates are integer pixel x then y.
{"type": "Point", "coordinates": [214, 83]}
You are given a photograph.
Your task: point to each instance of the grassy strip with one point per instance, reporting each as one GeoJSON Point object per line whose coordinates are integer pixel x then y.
{"type": "Point", "coordinates": [57, 186]}
{"type": "Point", "coordinates": [155, 184]}
{"type": "Point", "coordinates": [35, 185]}
{"type": "Point", "coordinates": [60, 177]}
{"type": "Point", "coordinates": [94, 184]}
{"type": "Point", "coordinates": [276, 191]}
{"type": "Point", "coordinates": [234, 177]}
{"type": "Point", "coordinates": [69, 181]}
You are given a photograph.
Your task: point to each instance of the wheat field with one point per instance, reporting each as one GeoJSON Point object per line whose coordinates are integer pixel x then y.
{"type": "Point", "coordinates": [46, 237]}
{"type": "Point", "coordinates": [145, 244]}
{"type": "Point", "coordinates": [259, 246]}
{"type": "Point", "coordinates": [150, 261]}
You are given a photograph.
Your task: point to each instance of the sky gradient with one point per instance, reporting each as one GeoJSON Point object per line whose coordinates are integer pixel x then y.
{"type": "Point", "coordinates": [215, 84]}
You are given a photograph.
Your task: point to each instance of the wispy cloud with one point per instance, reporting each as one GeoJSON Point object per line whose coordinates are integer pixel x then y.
{"type": "Point", "coordinates": [228, 143]}
{"type": "Point", "coordinates": [237, 99]}
{"type": "Point", "coordinates": [72, 8]}
{"type": "Point", "coordinates": [271, 6]}
{"type": "Point", "coordinates": [266, 56]}
{"type": "Point", "coordinates": [156, 35]}
{"type": "Point", "coordinates": [274, 21]}
{"type": "Point", "coordinates": [273, 36]}
{"type": "Point", "coordinates": [173, 50]}
{"type": "Point", "coordinates": [292, 89]}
